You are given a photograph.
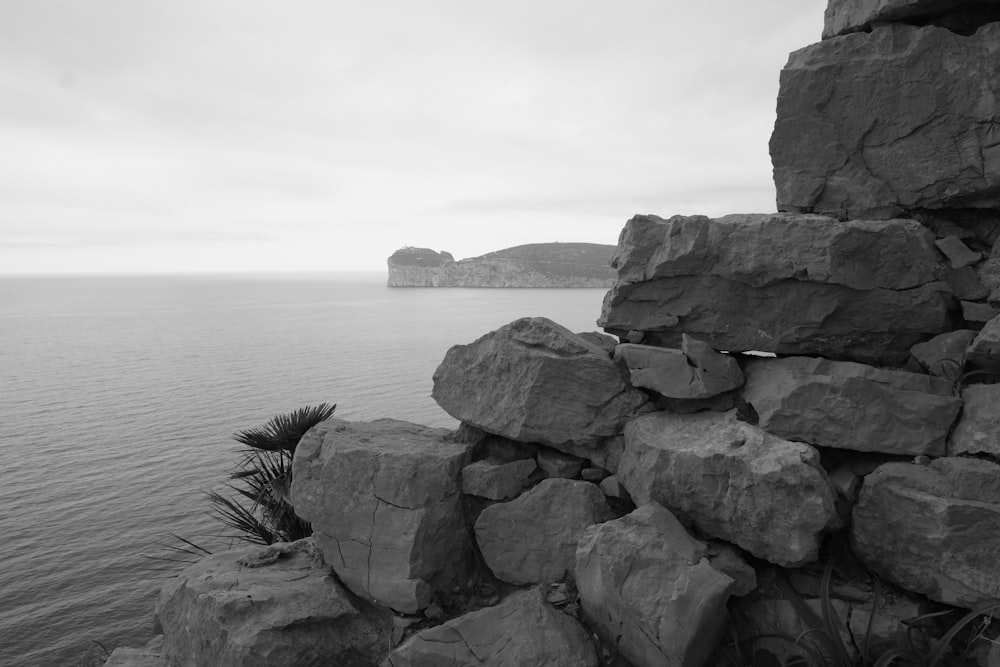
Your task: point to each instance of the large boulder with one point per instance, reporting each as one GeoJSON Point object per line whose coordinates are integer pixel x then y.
{"type": "Point", "coordinates": [532, 539]}
{"type": "Point", "coordinates": [732, 481]}
{"type": "Point", "coordinates": [783, 283]}
{"type": "Point", "coordinates": [933, 529]}
{"type": "Point", "coordinates": [843, 16]}
{"type": "Point", "coordinates": [692, 372]}
{"type": "Point", "coordinates": [851, 406]}
{"type": "Point", "coordinates": [535, 381]}
{"type": "Point", "coordinates": [647, 587]}
{"type": "Point", "coordinates": [978, 429]}
{"type": "Point", "coordinates": [898, 119]}
{"type": "Point", "coordinates": [266, 606]}
{"type": "Point", "coordinates": [384, 498]}
{"type": "Point", "coordinates": [521, 630]}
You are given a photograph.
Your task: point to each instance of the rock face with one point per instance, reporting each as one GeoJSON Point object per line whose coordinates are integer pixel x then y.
{"type": "Point", "coordinates": [289, 612]}
{"type": "Point", "coordinates": [547, 385]}
{"type": "Point", "coordinates": [899, 119]}
{"type": "Point", "coordinates": [790, 284]}
{"type": "Point", "coordinates": [963, 16]}
{"type": "Point", "coordinates": [978, 429]}
{"type": "Point", "coordinates": [732, 481]}
{"type": "Point", "coordinates": [533, 539]}
{"type": "Point", "coordinates": [694, 371]}
{"type": "Point", "coordinates": [533, 265]}
{"type": "Point", "coordinates": [933, 529]}
{"type": "Point", "coordinates": [384, 498]}
{"type": "Point", "coordinates": [647, 587]}
{"type": "Point", "coordinates": [522, 630]}
{"type": "Point", "coordinates": [851, 406]}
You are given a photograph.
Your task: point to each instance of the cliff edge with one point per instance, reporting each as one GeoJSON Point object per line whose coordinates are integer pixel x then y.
{"type": "Point", "coordinates": [531, 265]}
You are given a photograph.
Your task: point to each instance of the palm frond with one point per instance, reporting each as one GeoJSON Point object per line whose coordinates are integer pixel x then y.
{"type": "Point", "coordinates": [283, 432]}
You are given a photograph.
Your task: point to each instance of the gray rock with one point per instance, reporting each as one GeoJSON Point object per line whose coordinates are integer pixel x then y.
{"type": "Point", "coordinates": [728, 560]}
{"type": "Point", "coordinates": [977, 313]}
{"type": "Point", "coordinates": [887, 131]}
{"type": "Point", "coordinates": [496, 480]}
{"type": "Point", "coordinates": [984, 352]}
{"type": "Point", "coordinates": [944, 355]}
{"type": "Point", "coordinates": [545, 384]}
{"type": "Point", "coordinates": [384, 499]}
{"type": "Point", "coordinates": [291, 612]}
{"type": "Point", "coordinates": [149, 655]}
{"type": "Point", "coordinates": [612, 488]}
{"type": "Point", "coordinates": [843, 16]}
{"type": "Point", "coordinates": [532, 539]}
{"type": "Point", "coordinates": [965, 283]}
{"type": "Point", "coordinates": [732, 481]}
{"type": "Point", "coordinates": [957, 252]}
{"type": "Point", "coordinates": [647, 587]}
{"type": "Point", "coordinates": [933, 529]}
{"type": "Point", "coordinates": [693, 372]}
{"type": "Point", "coordinates": [851, 406]}
{"type": "Point", "coordinates": [603, 341]}
{"type": "Point", "coordinates": [978, 429]}
{"type": "Point", "coordinates": [522, 630]}
{"type": "Point", "coordinates": [558, 464]}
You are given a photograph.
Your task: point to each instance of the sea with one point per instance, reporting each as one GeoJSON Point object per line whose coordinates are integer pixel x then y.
{"type": "Point", "coordinates": [119, 397]}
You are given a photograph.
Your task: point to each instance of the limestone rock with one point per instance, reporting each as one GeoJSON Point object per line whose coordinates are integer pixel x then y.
{"type": "Point", "coordinates": [522, 630]}
{"type": "Point", "coordinates": [695, 371]}
{"type": "Point", "coordinates": [497, 480]}
{"type": "Point", "coordinates": [533, 538]}
{"type": "Point", "coordinates": [978, 429]}
{"type": "Point", "coordinates": [851, 406]}
{"type": "Point", "coordinates": [985, 349]}
{"type": "Point", "coordinates": [790, 284]}
{"type": "Point", "coordinates": [291, 612]}
{"type": "Point", "coordinates": [944, 355]}
{"type": "Point", "coordinates": [933, 529]}
{"type": "Point", "coordinates": [559, 464]}
{"type": "Point", "coordinates": [902, 118]}
{"type": "Point", "coordinates": [384, 499]}
{"type": "Point", "coordinates": [843, 16]}
{"type": "Point", "coordinates": [647, 587]}
{"type": "Point", "coordinates": [535, 381]}
{"type": "Point", "coordinates": [732, 481]}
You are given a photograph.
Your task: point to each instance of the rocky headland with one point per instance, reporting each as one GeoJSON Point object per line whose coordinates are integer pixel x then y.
{"type": "Point", "coordinates": [789, 447]}
{"type": "Point", "coordinates": [532, 265]}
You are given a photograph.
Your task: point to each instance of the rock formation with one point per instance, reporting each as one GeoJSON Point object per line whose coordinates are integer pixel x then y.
{"type": "Point", "coordinates": [532, 265]}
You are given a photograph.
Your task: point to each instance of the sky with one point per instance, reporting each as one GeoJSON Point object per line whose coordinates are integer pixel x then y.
{"type": "Point", "coordinates": [252, 135]}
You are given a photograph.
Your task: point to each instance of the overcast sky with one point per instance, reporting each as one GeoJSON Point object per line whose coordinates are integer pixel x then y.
{"type": "Point", "coordinates": [252, 135]}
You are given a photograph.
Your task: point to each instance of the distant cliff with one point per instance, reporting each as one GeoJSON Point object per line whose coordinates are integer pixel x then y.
{"type": "Point", "coordinates": [532, 265]}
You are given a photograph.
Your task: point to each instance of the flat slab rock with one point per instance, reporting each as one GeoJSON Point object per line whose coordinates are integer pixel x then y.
{"type": "Point", "coordinates": [384, 499]}
{"type": "Point", "coordinates": [888, 132]}
{"type": "Point", "coordinates": [521, 630]}
{"type": "Point", "coordinates": [692, 372]}
{"type": "Point", "coordinates": [732, 481]}
{"type": "Point", "coordinates": [978, 428]}
{"type": "Point", "coordinates": [535, 381]}
{"type": "Point", "coordinates": [933, 529]}
{"type": "Point", "coordinates": [843, 16]}
{"type": "Point", "coordinates": [851, 406]}
{"type": "Point", "coordinates": [289, 612]}
{"type": "Point", "coordinates": [533, 538]}
{"type": "Point", "coordinates": [647, 587]}
{"type": "Point", "coordinates": [984, 351]}
{"type": "Point", "coordinates": [789, 284]}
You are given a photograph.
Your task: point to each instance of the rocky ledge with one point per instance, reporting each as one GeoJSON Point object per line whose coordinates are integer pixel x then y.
{"type": "Point", "coordinates": [532, 265]}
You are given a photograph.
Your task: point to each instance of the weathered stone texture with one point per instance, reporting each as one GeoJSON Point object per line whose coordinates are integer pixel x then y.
{"type": "Point", "coordinates": [496, 480]}
{"type": "Point", "coordinates": [978, 429]}
{"type": "Point", "coordinates": [647, 587]}
{"type": "Point", "coordinates": [984, 352]}
{"type": "Point", "coordinates": [522, 630]}
{"type": "Point", "coordinates": [384, 498]}
{"type": "Point", "coordinates": [693, 372]}
{"type": "Point", "coordinates": [732, 481]}
{"type": "Point", "coordinates": [846, 405]}
{"type": "Point", "coordinates": [897, 119]}
{"type": "Point", "coordinates": [933, 529]}
{"type": "Point", "coordinates": [533, 538]}
{"type": "Point", "coordinates": [289, 612]}
{"type": "Point", "coordinates": [843, 16]}
{"type": "Point", "coordinates": [545, 384]}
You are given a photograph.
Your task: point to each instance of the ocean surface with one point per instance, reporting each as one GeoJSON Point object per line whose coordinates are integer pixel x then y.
{"type": "Point", "coordinates": [119, 397]}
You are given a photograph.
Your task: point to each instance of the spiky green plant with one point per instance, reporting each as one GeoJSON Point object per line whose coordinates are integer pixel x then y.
{"type": "Point", "coordinates": [260, 507]}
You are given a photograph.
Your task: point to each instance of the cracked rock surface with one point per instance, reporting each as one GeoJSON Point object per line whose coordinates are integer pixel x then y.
{"type": "Point", "coordinates": [384, 498]}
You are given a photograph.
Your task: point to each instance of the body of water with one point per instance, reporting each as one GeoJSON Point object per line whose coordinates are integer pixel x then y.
{"type": "Point", "coordinates": [119, 397]}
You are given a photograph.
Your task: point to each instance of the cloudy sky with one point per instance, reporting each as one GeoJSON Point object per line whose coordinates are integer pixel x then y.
{"type": "Point", "coordinates": [253, 135]}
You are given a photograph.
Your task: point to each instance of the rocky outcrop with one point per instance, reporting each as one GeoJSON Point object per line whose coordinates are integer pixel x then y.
{"type": "Point", "coordinates": [547, 385]}
{"type": "Point", "coordinates": [933, 529]}
{"type": "Point", "coordinates": [523, 630]}
{"type": "Point", "coordinates": [790, 284]}
{"type": "Point", "coordinates": [384, 499]}
{"type": "Point", "coordinates": [732, 481]}
{"type": "Point", "coordinates": [533, 265]}
{"type": "Point", "coordinates": [533, 539]}
{"type": "Point", "coordinates": [692, 372]}
{"type": "Point", "coordinates": [963, 16]}
{"type": "Point", "coordinates": [289, 611]}
{"type": "Point", "coordinates": [819, 402]}
{"type": "Point", "coordinates": [647, 587]}
{"type": "Point", "coordinates": [874, 152]}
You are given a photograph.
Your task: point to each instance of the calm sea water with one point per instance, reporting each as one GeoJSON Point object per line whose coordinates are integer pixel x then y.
{"type": "Point", "coordinates": [119, 397]}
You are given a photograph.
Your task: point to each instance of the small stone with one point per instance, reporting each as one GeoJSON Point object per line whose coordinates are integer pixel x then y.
{"type": "Point", "coordinates": [984, 352]}
{"type": "Point", "coordinates": [612, 488]}
{"type": "Point", "coordinates": [944, 355]}
{"type": "Point", "coordinates": [635, 336]}
{"type": "Point", "coordinates": [593, 474]}
{"type": "Point", "coordinates": [957, 252]}
{"type": "Point", "coordinates": [977, 313]}
{"type": "Point", "coordinates": [978, 428]}
{"type": "Point", "coordinates": [556, 464]}
{"type": "Point", "coordinates": [496, 480]}
{"type": "Point", "coordinates": [965, 283]}
{"type": "Point", "coordinates": [434, 611]}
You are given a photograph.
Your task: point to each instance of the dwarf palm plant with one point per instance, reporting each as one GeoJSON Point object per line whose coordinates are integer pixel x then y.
{"type": "Point", "coordinates": [260, 507]}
